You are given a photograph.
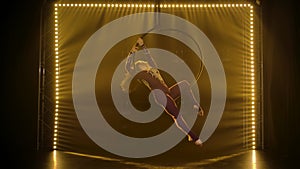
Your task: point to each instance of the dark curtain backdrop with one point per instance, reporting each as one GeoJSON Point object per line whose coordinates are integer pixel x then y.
{"type": "Point", "coordinates": [20, 70]}
{"type": "Point", "coordinates": [281, 77]}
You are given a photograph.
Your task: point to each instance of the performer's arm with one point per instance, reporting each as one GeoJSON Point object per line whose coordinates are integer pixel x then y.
{"type": "Point", "coordinates": [129, 65]}
{"type": "Point", "coordinates": [149, 58]}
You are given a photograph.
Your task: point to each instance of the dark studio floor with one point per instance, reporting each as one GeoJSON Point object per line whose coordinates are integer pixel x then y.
{"type": "Point", "coordinates": [67, 160]}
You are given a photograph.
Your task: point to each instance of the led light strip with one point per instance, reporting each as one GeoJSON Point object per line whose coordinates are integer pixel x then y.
{"type": "Point", "coordinates": [55, 135]}
{"type": "Point", "coordinates": [252, 60]}
{"type": "Point", "coordinates": [252, 77]}
{"type": "Point", "coordinates": [152, 5]}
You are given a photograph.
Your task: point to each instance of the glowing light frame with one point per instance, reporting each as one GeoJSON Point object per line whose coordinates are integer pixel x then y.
{"type": "Point", "coordinates": [56, 114]}
{"type": "Point", "coordinates": [250, 67]}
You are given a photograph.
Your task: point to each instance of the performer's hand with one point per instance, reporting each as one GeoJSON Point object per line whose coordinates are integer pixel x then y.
{"type": "Point", "coordinates": [134, 49]}
{"type": "Point", "coordinates": [140, 42]}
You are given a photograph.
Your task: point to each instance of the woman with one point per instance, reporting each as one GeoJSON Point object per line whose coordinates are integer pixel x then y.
{"type": "Point", "coordinates": [150, 76]}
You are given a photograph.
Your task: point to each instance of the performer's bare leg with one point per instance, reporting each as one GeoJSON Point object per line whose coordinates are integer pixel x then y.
{"type": "Point", "coordinates": [185, 86]}
{"type": "Point", "coordinates": [173, 111]}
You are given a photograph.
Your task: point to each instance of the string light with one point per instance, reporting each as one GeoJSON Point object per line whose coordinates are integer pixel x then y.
{"type": "Point", "coordinates": [194, 5]}
{"type": "Point", "coordinates": [55, 134]}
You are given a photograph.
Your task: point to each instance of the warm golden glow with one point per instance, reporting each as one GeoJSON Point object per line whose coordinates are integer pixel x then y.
{"type": "Point", "coordinates": [54, 158]}
{"type": "Point", "coordinates": [253, 159]}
